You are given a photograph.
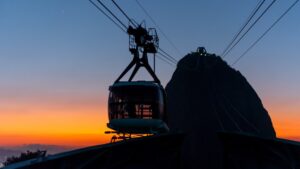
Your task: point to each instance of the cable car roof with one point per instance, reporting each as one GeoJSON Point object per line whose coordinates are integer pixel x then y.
{"type": "Point", "coordinates": [136, 83]}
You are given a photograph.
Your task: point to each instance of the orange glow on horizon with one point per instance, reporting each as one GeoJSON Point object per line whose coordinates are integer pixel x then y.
{"type": "Point", "coordinates": [286, 127]}
{"type": "Point", "coordinates": [83, 124]}
{"type": "Point", "coordinates": [55, 124]}
{"type": "Point", "coordinates": [285, 120]}
{"type": "Point", "coordinates": [70, 140]}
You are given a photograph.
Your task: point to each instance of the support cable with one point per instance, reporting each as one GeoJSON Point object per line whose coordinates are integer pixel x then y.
{"type": "Point", "coordinates": [225, 111]}
{"type": "Point", "coordinates": [249, 28]}
{"type": "Point", "coordinates": [169, 56]}
{"type": "Point", "coordinates": [258, 6]}
{"type": "Point", "coordinates": [124, 30]}
{"type": "Point", "coordinates": [164, 55]}
{"type": "Point", "coordinates": [104, 6]}
{"type": "Point", "coordinates": [213, 106]}
{"type": "Point", "coordinates": [162, 32]}
{"type": "Point", "coordinates": [237, 60]}
{"type": "Point", "coordinates": [240, 114]}
{"type": "Point", "coordinates": [129, 19]}
{"type": "Point", "coordinates": [166, 58]}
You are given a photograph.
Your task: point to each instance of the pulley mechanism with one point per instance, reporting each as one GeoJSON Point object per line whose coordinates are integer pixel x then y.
{"type": "Point", "coordinates": [144, 41]}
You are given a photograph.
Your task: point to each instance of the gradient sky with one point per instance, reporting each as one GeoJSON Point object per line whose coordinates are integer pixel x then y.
{"type": "Point", "coordinates": [58, 58]}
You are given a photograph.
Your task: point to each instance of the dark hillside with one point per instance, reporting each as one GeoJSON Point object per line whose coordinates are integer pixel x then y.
{"type": "Point", "coordinates": [205, 95]}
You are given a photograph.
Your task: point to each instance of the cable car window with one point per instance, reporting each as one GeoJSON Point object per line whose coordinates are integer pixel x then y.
{"type": "Point", "coordinates": [135, 102]}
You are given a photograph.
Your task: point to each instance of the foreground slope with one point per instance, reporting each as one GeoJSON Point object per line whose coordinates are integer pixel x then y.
{"type": "Point", "coordinates": [160, 152]}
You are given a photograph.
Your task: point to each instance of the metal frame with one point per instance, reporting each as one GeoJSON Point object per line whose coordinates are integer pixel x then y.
{"type": "Point", "coordinates": [147, 42]}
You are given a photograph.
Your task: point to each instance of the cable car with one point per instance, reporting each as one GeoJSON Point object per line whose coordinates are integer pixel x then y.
{"type": "Point", "coordinates": [138, 107]}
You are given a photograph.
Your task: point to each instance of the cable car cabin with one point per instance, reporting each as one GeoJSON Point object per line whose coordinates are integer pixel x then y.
{"type": "Point", "coordinates": [137, 108]}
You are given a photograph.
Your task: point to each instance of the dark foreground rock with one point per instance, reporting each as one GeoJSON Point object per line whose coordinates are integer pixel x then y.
{"type": "Point", "coordinates": [246, 151]}
{"type": "Point", "coordinates": [153, 152]}
{"type": "Point", "coordinates": [241, 151]}
{"type": "Point", "coordinates": [205, 95]}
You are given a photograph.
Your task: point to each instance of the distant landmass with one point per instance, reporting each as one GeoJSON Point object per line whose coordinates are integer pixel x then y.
{"type": "Point", "coordinates": [17, 150]}
{"type": "Point", "coordinates": [5, 152]}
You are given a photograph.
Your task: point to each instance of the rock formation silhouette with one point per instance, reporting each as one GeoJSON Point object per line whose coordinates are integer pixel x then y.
{"type": "Point", "coordinates": [206, 95]}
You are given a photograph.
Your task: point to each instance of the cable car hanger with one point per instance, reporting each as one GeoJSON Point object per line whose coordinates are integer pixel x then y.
{"type": "Point", "coordinates": [141, 39]}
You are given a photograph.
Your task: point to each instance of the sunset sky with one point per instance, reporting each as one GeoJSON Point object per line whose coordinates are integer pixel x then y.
{"type": "Point", "coordinates": [58, 58]}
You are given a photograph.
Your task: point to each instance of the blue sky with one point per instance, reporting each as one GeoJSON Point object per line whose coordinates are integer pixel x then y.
{"type": "Point", "coordinates": [60, 48]}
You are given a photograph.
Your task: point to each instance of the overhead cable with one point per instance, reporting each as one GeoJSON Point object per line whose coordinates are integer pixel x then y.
{"type": "Point", "coordinates": [129, 19]}
{"type": "Point", "coordinates": [164, 55]}
{"type": "Point", "coordinates": [104, 6]}
{"type": "Point", "coordinates": [167, 58]}
{"type": "Point", "coordinates": [108, 16]}
{"type": "Point", "coordinates": [265, 32]}
{"type": "Point", "coordinates": [158, 27]}
{"type": "Point", "coordinates": [258, 6]}
{"type": "Point", "coordinates": [164, 60]}
{"type": "Point", "coordinates": [262, 14]}
{"type": "Point", "coordinates": [168, 55]}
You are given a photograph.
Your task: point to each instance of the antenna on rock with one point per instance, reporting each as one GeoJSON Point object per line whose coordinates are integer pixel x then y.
{"type": "Point", "coordinates": [201, 51]}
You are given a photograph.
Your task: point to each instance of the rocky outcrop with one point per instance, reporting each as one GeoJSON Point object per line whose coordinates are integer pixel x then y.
{"type": "Point", "coordinates": [206, 95]}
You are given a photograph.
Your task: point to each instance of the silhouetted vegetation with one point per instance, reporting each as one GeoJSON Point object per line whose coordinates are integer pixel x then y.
{"type": "Point", "coordinates": [25, 156]}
